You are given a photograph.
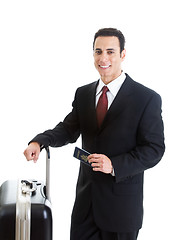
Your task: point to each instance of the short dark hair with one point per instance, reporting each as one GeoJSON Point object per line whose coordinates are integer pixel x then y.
{"type": "Point", "coordinates": [110, 32]}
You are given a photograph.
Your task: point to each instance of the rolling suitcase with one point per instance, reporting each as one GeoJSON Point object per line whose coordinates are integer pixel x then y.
{"type": "Point", "coordinates": [25, 208]}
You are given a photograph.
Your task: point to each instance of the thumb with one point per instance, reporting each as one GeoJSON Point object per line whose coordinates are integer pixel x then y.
{"type": "Point", "coordinates": [35, 156]}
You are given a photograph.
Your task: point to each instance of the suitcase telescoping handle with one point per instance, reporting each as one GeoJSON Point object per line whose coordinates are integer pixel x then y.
{"type": "Point", "coordinates": [48, 173]}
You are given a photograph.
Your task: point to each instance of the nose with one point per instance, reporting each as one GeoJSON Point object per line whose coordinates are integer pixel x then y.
{"type": "Point", "coordinates": [103, 57]}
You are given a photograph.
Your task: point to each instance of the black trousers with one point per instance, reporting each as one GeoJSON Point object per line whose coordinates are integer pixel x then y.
{"type": "Point", "coordinates": [87, 230]}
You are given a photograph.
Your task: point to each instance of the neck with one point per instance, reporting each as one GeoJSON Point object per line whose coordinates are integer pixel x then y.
{"type": "Point", "coordinates": [107, 79]}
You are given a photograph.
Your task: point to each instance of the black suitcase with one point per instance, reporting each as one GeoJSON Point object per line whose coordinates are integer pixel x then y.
{"type": "Point", "coordinates": [25, 209]}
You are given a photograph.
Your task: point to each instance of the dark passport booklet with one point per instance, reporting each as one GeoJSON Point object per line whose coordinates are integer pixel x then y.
{"type": "Point", "coordinates": [82, 155]}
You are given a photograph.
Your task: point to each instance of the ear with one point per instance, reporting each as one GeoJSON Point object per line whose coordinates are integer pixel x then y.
{"type": "Point", "coordinates": [123, 54]}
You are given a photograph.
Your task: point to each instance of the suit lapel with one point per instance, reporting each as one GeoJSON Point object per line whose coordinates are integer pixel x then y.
{"type": "Point", "coordinates": [120, 102]}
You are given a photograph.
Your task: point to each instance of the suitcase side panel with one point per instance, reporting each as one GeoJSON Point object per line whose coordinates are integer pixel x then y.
{"type": "Point", "coordinates": [41, 215]}
{"type": "Point", "coordinates": [8, 193]}
{"type": "Point", "coordinates": [41, 224]}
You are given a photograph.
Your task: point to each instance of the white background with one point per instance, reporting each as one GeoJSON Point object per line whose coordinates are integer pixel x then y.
{"type": "Point", "coordinates": [45, 54]}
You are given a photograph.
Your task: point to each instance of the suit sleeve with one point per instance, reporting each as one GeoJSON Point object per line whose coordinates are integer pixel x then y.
{"type": "Point", "coordinates": [150, 143]}
{"type": "Point", "coordinates": [65, 132]}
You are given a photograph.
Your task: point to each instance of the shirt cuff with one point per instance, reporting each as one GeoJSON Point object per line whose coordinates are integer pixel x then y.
{"type": "Point", "coordinates": [113, 173]}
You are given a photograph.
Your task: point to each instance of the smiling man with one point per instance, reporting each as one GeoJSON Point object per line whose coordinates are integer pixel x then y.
{"type": "Point", "coordinates": [121, 126]}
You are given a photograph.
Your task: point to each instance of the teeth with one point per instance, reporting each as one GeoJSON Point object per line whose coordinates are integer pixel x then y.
{"type": "Point", "coordinates": [104, 66]}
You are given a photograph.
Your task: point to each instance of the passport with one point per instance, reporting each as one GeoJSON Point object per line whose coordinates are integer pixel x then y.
{"type": "Point", "coordinates": [82, 155]}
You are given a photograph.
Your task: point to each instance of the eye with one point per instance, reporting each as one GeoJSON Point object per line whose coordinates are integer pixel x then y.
{"type": "Point", "coordinates": [98, 52]}
{"type": "Point", "coordinates": [110, 52]}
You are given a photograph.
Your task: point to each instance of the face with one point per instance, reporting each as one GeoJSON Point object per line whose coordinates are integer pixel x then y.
{"type": "Point", "coordinates": [107, 58]}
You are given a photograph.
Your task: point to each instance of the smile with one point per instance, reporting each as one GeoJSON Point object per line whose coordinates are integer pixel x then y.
{"type": "Point", "coordinates": [104, 67]}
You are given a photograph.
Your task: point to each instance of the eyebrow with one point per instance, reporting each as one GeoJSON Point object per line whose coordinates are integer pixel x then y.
{"type": "Point", "coordinates": [108, 49]}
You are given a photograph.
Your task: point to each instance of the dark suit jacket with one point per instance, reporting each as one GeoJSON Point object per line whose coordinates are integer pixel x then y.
{"type": "Point", "coordinates": [131, 136]}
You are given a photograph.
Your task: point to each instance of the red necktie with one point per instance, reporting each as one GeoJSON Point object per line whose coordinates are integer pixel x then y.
{"type": "Point", "coordinates": [102, 106]}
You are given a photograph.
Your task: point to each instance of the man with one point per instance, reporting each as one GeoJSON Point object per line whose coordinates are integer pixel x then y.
{"type": "Point", "coordinates": [121, 126]}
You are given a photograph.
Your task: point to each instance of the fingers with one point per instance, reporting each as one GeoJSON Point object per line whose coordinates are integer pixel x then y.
{"type": "Point", "coordinates": [100, 162]}
{"type": "Point", "coordinates": [32, 152]}
{"type": "Point", "coordinates": [96, 160]}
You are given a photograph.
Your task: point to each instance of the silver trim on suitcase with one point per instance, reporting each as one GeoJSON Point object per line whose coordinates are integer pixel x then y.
{"type": "Point", "coordinates": [23, 212]}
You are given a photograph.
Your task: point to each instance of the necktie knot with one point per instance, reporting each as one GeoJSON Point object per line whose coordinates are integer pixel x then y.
{"type": "Point", "coordinates": [105, 90]}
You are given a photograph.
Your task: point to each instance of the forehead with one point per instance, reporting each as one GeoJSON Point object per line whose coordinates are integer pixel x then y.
{"type": "Point", "coordinates": [107, 42]}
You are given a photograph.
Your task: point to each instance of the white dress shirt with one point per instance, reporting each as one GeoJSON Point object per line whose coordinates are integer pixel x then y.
{"type": "Point", "coordinates": [113, 87]}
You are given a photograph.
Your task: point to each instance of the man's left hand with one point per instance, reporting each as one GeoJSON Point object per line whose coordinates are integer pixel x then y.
{"type": "Point", "coordinates": [101, 163]}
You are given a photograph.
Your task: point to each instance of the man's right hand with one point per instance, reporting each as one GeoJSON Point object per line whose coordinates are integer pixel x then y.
{"type": "Point", "coordinates": [32, 151]}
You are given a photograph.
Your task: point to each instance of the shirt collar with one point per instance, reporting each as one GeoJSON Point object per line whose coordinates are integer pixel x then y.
{"type": "Point", "coordinates": [113, 86]}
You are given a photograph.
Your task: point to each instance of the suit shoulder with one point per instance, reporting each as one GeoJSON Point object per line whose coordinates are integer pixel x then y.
{"type": "Point", "coordinates": [88, 86]}
{"type": "Point", "coordinates": [140, 89]}
{"type": "Point", "coordinates": [86, 89]}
